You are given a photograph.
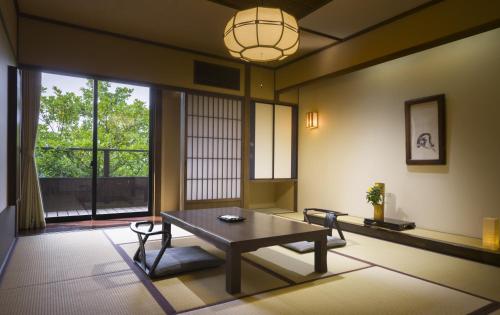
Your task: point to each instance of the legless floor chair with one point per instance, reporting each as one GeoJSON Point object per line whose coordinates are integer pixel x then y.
{"type": "Point", "coordinates": [169, 261]}
{"type": "Point", "coordinates": [330, 222]}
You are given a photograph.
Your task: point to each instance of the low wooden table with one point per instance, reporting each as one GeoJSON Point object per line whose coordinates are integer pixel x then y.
{"type": "Point", "coordinates": [258, 230]}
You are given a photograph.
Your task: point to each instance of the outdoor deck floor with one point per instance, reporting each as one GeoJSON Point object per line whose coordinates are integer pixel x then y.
{"type": "Point", "coordinates": [79, 212]}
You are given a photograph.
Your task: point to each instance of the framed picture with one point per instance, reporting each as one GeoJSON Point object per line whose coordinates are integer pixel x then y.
{"type": "Point", "coordinates": [425, 130]}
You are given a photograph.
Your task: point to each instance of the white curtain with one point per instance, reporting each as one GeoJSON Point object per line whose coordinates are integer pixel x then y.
{"type": "Point", "coordinates": [31, 214]}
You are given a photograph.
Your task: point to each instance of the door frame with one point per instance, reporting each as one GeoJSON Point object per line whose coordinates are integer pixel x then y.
{"type": "Point", "coordinates": [94, 216]}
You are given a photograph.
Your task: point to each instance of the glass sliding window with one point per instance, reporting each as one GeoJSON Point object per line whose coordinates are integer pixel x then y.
{"type": "Point", "coordinates": [213, 147]}
{"type": "Point", "coordinates": [63, 149]}
{"type": "Point", "coordinates": [92, 149]}
{"type": "Point", "coordinates": [273, 143]}
{"type": "Point", "coordinates": [122, 148]}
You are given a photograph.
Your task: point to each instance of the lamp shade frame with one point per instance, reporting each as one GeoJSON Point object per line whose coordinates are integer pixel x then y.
{"type": "Point", "coordinates": [277, 49]}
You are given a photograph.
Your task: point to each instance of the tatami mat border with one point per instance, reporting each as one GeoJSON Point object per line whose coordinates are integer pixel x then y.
{"type": "Point", "coordinates": [487, 309]}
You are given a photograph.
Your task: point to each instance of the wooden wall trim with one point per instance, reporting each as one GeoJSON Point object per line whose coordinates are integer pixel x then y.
{"type": "Point", "coordinates": [136, 39]}
{"type": "Point", "coordinates": [372, 48]}
{"type": "Point", "coordinates": [115, 79]}
{"type": "Point", "coordinates": [156, 106]}
{"type": "Point", "coordinates": [245, 168]}
{"type": "Point", "coordinates": [363, 31]}
{"type": "Point", "coordinates": [7, 236]}
{"type": "Point", "coordinates": [6, 259]}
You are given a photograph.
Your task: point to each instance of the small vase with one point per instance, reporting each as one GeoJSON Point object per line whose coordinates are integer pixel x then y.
{"type": "Point", "coordinates": [378, 212]}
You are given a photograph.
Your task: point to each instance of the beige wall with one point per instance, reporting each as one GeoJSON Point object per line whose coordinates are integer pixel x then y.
{"type": "Point", "coordinates": [70, 49]}
{"type": "Point", "coordinates": [425, 27]}
{"type": "Point", "coordinates": [289, 96]}
{"type": "Point", "coordinates": [361, 138]}
{"type": "Point", "coordinates": [7, 58]}
{"type": "Point", "coordinates": [262, 86]}
{"type": "Point", "coordinates": [63, 48]}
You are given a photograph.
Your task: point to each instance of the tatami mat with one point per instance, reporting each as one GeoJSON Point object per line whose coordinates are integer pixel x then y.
{"type": "Point", "coordinates": [116, 293]}
{"type": "Point", "coordinates": [273, 210]}
{"type": "Point", "coordinates": [369, 291]}
{"type": "Point", "coordinates": [208, 286]}
{"type": "Point", "coordinates": [300, 267]}
{"type": "Point", "coordinates": [82, 273]}
{"type": "Point", "coordinates": [292, 215]}
{"type": "Point", "coordinates": [60, 256]}
{"type": "Point", "coordinates": [476, 278]}
{"type": "Point", "coordinates": [124, 235]}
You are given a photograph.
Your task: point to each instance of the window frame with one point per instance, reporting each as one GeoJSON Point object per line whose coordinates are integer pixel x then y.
{"type": "Point", "coordinates": [294, 142]}
{"type": "Point", "coordinates": [186, 158]}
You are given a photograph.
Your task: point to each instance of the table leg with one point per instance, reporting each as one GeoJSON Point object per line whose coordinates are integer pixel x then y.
{"type": "Point", "coordinates": [320, 251]}
{"type": "Point", "coordinates": [167, 227]}
{"type": "Point", "coordinates": [233, 271]}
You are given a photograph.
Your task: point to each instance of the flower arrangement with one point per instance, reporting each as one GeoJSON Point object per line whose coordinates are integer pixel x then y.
{"type": "Point", "coordinates": [374, 195]}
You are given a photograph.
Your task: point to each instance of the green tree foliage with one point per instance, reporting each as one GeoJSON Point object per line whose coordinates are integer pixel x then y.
{"type": "Point", "coordinates": [64, 140]}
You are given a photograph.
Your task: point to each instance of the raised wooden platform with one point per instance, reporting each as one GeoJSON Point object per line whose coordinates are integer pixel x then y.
{"type": "Point", "coordinates": [470, 252]}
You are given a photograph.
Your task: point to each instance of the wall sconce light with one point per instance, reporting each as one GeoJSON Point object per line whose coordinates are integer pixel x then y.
{"type": "Point", "coordinates": [312, 120]}
{"type": "Point", "coordinates": [490, 233]}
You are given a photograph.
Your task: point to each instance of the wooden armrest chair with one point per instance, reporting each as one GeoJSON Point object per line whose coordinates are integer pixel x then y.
{"type": "Point", "coordinates": [329, 222]}
{"type": "Point", "coordinates": [169, 261]}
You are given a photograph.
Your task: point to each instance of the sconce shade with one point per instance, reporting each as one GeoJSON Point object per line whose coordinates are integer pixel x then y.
{"type": "Point", "coordinates": [312, 120]}
{"type": "Point", "coordinates": [491, 233]}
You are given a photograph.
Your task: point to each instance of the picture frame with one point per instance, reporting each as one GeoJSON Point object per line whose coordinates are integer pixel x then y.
{"type": "Point", "coordinates": [425, 125]}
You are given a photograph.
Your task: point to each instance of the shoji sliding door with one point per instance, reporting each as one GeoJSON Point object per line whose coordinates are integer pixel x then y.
{"type": "Point", "coordinates": [273, 142]}
{"type": "Point", "coordinates": [263, 140]}
{"type": "Point", "coordinates": [213, 147]}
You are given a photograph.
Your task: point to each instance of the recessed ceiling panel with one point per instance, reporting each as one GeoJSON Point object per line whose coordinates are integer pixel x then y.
{"type": "Point", "coordinates": [309, 42]}
{"type": "Point", "coordinates": [342, 18]}
{"type": "Point", "coordinates": [297, 8]}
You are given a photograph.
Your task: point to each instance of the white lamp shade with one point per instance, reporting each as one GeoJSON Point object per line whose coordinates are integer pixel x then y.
{"type": "Point", "coordinates": [262, 34]}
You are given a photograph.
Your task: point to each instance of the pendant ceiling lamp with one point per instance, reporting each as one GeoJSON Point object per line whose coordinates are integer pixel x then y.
{"type": "Point", "coordinates": [262, 34]}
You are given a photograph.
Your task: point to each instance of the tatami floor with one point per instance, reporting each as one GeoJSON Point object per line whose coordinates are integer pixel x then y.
{"type": "Point", "coordinates": [91, 272]}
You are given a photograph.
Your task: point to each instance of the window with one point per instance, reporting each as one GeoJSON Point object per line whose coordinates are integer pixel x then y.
{"type": "Point", "coordinates": [273, 142]}
{"type": "Point", "coordinates": [213, 147]}
{"type": "Point", "coordinates": [92, 147]}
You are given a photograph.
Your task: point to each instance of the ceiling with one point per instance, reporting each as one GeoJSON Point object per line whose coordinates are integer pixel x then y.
{"type": "Point", "coordinates": [199, 24]}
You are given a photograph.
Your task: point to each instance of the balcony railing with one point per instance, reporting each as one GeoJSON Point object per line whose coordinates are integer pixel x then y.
{"type": "Point", "coordinates": [66, 180]}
